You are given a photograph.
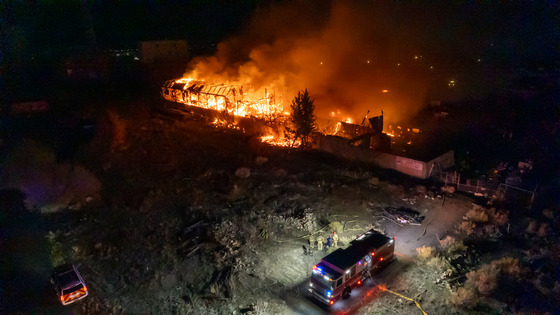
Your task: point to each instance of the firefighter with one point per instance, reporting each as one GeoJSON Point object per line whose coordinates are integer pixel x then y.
{"type": "Point", "coordinates": [329, 242]}
{"type": "Point", "coordinates": [311, 241]}
{"type": "Point", "coordinates": [334, 239]}
{"type": "Point", "coordinates": [320, 240]}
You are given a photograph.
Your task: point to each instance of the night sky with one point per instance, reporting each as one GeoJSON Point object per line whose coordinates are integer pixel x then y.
{"type": "Point", "coordinates": [525, 33]}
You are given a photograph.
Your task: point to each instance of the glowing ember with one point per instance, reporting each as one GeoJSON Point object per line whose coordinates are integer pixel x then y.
{"type": "Point", "coordinates": [348, 120]}
{"type": "Point", "coordinates": [280, 141]}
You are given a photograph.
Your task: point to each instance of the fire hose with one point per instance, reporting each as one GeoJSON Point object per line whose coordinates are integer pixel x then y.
{"type": "Point", "coordinates": [406, 298]}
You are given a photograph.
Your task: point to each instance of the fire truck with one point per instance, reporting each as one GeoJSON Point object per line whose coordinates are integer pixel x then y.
{"type": "Point", "coordinates": [334, 277]}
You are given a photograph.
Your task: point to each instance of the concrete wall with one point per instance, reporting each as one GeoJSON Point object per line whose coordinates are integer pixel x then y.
{"type": "Point", "coordinates": [340, 147]}
{"type": "Point", "coordinates": [441, 163]}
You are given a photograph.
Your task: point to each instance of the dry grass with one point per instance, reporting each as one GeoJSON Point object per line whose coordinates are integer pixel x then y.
{"type": "Point", "coordinates": [440, 264]}
{"type": "Point", "coordinates": [425, 252]}
{"type": "Point", "coordinates": [483, 281]}
{"type": "Point", "coordinates": [336, 226]}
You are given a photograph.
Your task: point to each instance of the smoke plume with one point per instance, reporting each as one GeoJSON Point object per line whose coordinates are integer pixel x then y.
{"type": "Point", "coordinates": [352, 56]}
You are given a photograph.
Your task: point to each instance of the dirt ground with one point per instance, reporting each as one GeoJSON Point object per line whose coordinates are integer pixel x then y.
{"type": "Point", "coordinates": [194, 219]}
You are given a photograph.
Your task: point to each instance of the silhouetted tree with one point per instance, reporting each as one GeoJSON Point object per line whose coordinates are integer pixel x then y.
{"type": "Point", "coordinates": [303, 118]}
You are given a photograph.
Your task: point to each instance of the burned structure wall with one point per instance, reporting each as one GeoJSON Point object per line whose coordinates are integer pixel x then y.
{"type": "Point", "coordinates": [420, 169]}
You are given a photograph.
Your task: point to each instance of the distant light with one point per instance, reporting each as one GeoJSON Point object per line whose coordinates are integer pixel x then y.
{"type": "Point", "coordinates": [321, 63]}
{"type": "Point", "coordinates": [368, 61]}
{"type": "Point", "coordinates": [478, 60]}
{"type": "Point", "coordinates": [415, 57]}
{"type": "Point", "coordinates": [431, 67]}
{"type": "Point", "coordinates": [385, 91]}
{"type": "Point", "coordinates": [398, 64]}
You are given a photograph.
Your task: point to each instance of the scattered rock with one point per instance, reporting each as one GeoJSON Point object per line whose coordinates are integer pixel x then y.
{"type": "Point", "coordinates": [243, 172]}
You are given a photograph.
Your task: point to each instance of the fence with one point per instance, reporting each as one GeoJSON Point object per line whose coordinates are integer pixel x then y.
{"type": "Point", "coordinates": [487, 187]}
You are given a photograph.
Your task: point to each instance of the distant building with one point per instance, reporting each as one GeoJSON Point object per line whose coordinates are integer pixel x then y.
{"type": "Point", "coordinates": [163, 51]}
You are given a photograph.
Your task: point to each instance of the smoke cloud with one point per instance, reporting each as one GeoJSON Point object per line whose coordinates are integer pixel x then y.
{"type": "Point", "coordinates": [352, 56]}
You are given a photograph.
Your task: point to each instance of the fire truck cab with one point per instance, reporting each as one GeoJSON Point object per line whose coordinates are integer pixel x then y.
{"type": "Point", "coordinates": [337, 273]}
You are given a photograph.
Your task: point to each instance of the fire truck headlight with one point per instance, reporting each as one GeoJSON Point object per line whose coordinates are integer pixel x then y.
{"type": "Point", "coordinates": [329, 293]}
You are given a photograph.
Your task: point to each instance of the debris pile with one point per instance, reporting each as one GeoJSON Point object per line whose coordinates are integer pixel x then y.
{"type": "Point", "coordinates": [403, 216]}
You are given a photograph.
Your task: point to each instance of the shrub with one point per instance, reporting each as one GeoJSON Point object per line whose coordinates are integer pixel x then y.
{"type": "Point", "coordinates": [477, 215]}
{"type": "Point", "coordinates": [447, 241]}
{"type": "Point", "coordinates": [548, 213]}
{"type": "Point", "coordinates": [508, 265]}
{"type": "Point", "coordinates": [467, 227]}
{"type": "Point", "coordinates": [425, 252]}
{"type": "Point", "coordinates": [544, 230]}
{"type": "Point", "coordinates": [531, 227]}
{"type": "Point", "coordinates": [458, 246]}
{"type": "Point", "coordinates": [465, 297]}
{"type": "Point", "coordinates": [501, 217]}
{"type": "Point", "coordinates": [485, 279]}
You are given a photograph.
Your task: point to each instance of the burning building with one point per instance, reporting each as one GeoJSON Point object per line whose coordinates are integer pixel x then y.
{"type": "Point", "coordinates": [231, 99]}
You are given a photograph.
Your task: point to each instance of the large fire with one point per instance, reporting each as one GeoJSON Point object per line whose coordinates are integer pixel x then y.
{"type": "Point", "coordinates": [232, 99]}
